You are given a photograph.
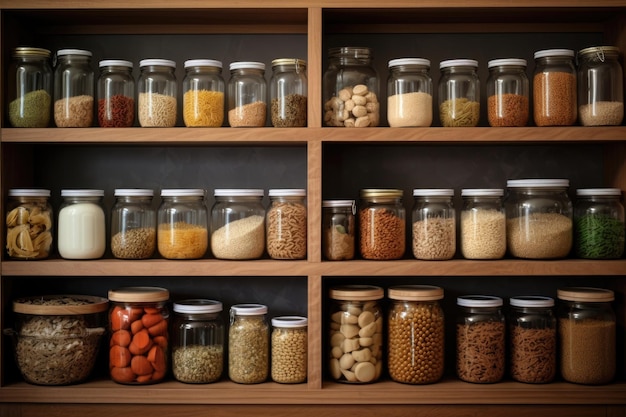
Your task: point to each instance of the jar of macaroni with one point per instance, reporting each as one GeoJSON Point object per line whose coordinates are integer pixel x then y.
{"type": "Point", "coordinates": [286, 224]}
{"type": "Point", "coordinates": [409, 93]}
{"type": "Point", "coordinates": [29, 91]}
{"type": "Point", "coordinates": [156, 104]}
{"type": "Point", "coordinates": [182, 231]}
{"type": "Point", "coordinates": [81, 225]}
{"type": "Point", "coordinates": [338, 229]}
{"type": "Point", "coordinates": [554, 88]}
{"type": "Point", "coordinates": [459, 93]}
{"type": "Point", "coordinates": [133, 224]}
{"type": "Point", "coordinates": [203, 93]}
{"type": "Point", "coordinates": [434, 224]}
{"type": "Point", "coordinates": [507, 93]}
{"type": "Point", "coordinates": [247, 94]}
{"type": "Point", "coordinates": [289, 349]}
{"type": "Point", "coordinates": [483, 224]}
{"type": "Point", "coordinates": [116, 93]}
{"type": "Point", "coordinates": [288, 93]}
{"type": "Point", "coordinates": [73, 88]}
{"type": "Point", "coordinates": [382, 224]}
{"type": "Point", "coordinates": [29, 219]}
{"type": "Point", "coordinates": [248, 344]}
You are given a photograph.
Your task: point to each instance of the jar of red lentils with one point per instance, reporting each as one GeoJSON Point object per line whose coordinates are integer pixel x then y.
{"type": "Point", "coordinates": [382, 224]}
{"type": "Point", "coordinates": [507, 93]}
{"type": "Point", "coordinates": [116, 93]}
{"type": "Point", "coordinates": [203, 93]}
{"type": "Point", "coordinates": [554, 88]}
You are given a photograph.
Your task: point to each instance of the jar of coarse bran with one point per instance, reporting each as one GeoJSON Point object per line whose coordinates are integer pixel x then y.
{"type": "Point", "coordinates": [247, 94]}
{"type": "Point", "coordinates": [29, 91]}
{"type": "Point", "coordinates": [409, 93]}
{"type": "Point", "coordinates": [203, 93]}
{"type": "Point", "coordinates": [289, 349]}
{"type": "Point", "coordinates": [434, 224]}
{"type": "Point", "coordinates": [382, 224]}
{"type": "Point", "coordinates": [459, 93]}
{"type": "Point", "coordinates": [116, 93]}
{"type": "Point", "coordinates": [156, 103]}
{"type": "Point", "coordinates": [286, 224]}
{"type": "Point", "coordinates": [29, 219]}
{"type": "Point", "coordinates": [81, 225]}
{"type": "Point", "coordinates": [73, 88]}
{"type": "Point", "coordinates": [554, 88]}
{"type": "Point", "coordinates": [483, 224]}
{"type": "Point", "coordinates": [133, 224]}
{"type": "Point", "coordinates": [288, 93]}
{"type": "Point", "coordinates": [507, 93]}
{"type": "Point", "coordinates": [248, 344]}
{"type": "Point", "coordinates": [182, 230]}
{"type": "Point", "coordinates": [338, 229]}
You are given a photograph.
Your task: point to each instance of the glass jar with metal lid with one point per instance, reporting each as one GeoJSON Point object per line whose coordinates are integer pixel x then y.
{"type": "Point", "coordinates": [29, 219]}
{"type": "Point", "coordinates": [507, 93]}
{"type": "Point", "coordinates": [289, 349]}
{"type": "Point", "coordinates": [157, 89]}
{"type": "Point", "coordinates": [554, 88]}
{"type": "Point", "coordinates": [409, 93]}
{"type": "Point", "coordinates": [356, 333]}
{"type": "Point", "coordinates": [434, 224]}
{"type": "Point", "coordinates": [483, 224]}
{"type": "Point", "coordinates": [247, 94]}
{"type": "Point", "coordinates": [288, 93]}
{"type": "Point", "coordinates": [286, 224]}
{"type": "Point", "coordinates": [459, 93]}
{"type": "Point", "coordinates": [116, 93]}
{"type": "Point", "coordinates": [382, 224]}
{"type": "Point", "coordinates": [338, 229]}
{"type": "Point", "coordinates": [133, 224]}
{"type": "Point", "coordinates": [203, 93]}
{"type": "Point", "coordinates": [248, 344]}
{"type": "Point", "coordinates": [73, 88]}
{"type": "Point", "coordinates": [81, 225]}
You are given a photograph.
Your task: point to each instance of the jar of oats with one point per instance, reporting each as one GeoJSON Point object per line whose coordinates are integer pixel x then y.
{"type": "Point", "coordinates": [434, 224]}
{"type": "Point", "coordinates": [289, 349]}
{"type": "Point", "coordinates": [156, 103]}
{"type": "Point", "coordinates": [248, 344]}
{"type": "Point", "coordinates": [28, 224]}
{"type": "Point", "coordinates": [483, 224]}
{"type": "Point", "coordinates": [133, 224]}
{"type": "Point", "coordinates": [338, 224]}
{"type": "Point", "coordinates": [382, 224]}
{"type": "Point", "coordinates": [182, 231]}
{"type": "Point", "coordinates": [73, 88]}
{"type": "Point", "coordinates": [286, 224]}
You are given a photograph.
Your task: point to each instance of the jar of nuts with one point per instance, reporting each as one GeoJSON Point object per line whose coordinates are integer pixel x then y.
{"type": "Point", "coordinates": [382, 224]}
{"type": "Point", "coordinates": [248, 344]}
{"type": "Point", "coordinates": [289, 349]}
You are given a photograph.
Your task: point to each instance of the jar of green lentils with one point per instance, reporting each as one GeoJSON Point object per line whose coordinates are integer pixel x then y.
{"type": "Point", "coordinates": [248, 344]}
{"type": "Point", "coordinates": [289, 349]}
{"type": "Point", "coordinates": [30, 88]}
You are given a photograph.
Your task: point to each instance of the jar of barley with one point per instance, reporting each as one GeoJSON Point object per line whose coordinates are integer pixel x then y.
{"type": "Point", "coordinates": [434, 224]}
{"type": "Point", "coordinates": [286, 224]}
{"type": "Point", "coordinates": [382, 224]}
{"type": "Point", "coordinates": [289, 349]}
{"type": "Point", "coordinates": [483, 224]}
{"type": "Point", "coordinates": [248, 344]}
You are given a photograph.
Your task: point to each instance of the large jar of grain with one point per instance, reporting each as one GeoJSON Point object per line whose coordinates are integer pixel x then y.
{"type": "Point", "coordinates": [483, 224]}
{"type": "Point", "coordinates": [409, 93]}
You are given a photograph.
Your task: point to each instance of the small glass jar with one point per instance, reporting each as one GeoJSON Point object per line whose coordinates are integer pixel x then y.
{"type": "Point", "coordinates": [338, 229]}
{"type": "Point", "coordinates": [554, 88]}
{"type": "Point", "coordinates": [116, 94]}
{"type": "Point", "coordinates": [409, 93]}
{"type": "Point", "coordinates": [532, 330]}
{"type": "Point", "coordinates": [28, 224]}
{"type": "Point", "coordinates": [286, 223]}
{"type": "Point", "coordinates": [197, 341]}
{"type": "Point", "coordinates": [459, 93]}
{"type": "Point", "coordinates": [156, 103]}
{"type": "Point", "coordinates": [288, 93]}
{"type": "Point", "coordinates": [483, 224]}
{"type": "Point", "coordinates": [203, 93]}
{"type": "Point", "coordinates": [600, 87]}
{"type": "Point", "coordinates": [416, 329]}
{"type": "Point", "coordinates": [351, 88]}
{"type": "Point", "coordinates": [81, 225]}
{"type": "Point", "coordinates": [138, 326]}
{"type": "Point", "coordinates": [73, 88]}
{"type": "Point", "coordinates": [356, 334]}
{"type": "Point", "coordinates": [248, 344]}
{"type": "Point", "coordinates": [538, 218]}
{"type": "Point", "coordinates": [247, 95]}
{"type": "Point", "coordinates": [29, 92]}
{"type": "Point", "coordinates": [382, 224]}
{"type": "Point", "coordinates": [480, 339]}
{"type": "Point", "coordinates": [289, 349]}
{"type": "Point", "coordinates": [238, 224]}
{"type": "Point", "coordinates": [434, 224]}
{"type": "Point", "coordinates": [507, 93]}
{"type": "Point", "coordinates": [182, 231]}
{"type": "Point", "coordinates": [587, 335]}
{"type": "Point", "coordinates": [599, 223]}
{"type": "Point", "coordinates": [133, 224]}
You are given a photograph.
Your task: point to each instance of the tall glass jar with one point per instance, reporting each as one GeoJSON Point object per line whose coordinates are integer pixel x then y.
{"type": "Point", "coordinates": [248, 344]}
{"type": "Point", "coordinates": [247, 94]}
{"type": "Point", "coordinates": [29, 91]}
{"type": "Point", "coordinates": [203, 93]}
{"type": "Point", "coordinates": [289, 349]}
{"type": "Point", "coordinates": [382, 224]}
{"type": "Point", "coordinates": [409, 93]}
{"type": "Point", "coordinates": [81, 225]}
{"type": "Point", "coordinates": [286, 223]}
{"type": "Point", "coordinates": [507, 93]}
{"type": "Point", "coordinates": [351, 88]}
{"type": "Point", "coordinates": [338, 229]}
{"type": "Point", "coordinates": [288, 93]}
{"type": "Point", "coordinates": [116, 94]}
{"type": "Point", "coordinates": [73, 88]}
{"type": "Point", "coordinates": [29, 219]}
{"type": "Point", "coordinates": [182, 231]}
{"type": "Point", "coordinates": [459, 93]}
{"type": "Point", "coordinates": [554, 88]}
{"type": "Point", "coordinates": [434, 224]}
{"type": "Point", "coordinates": [483, 224]}
{"type": "Point", "coordinates": [133, 224]}
{"type": "Point", "coordinates": [156, 103]}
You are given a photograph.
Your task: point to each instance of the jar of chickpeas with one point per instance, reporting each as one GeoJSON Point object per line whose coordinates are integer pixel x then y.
{"type": "Point", "coordinates": [289, 349]}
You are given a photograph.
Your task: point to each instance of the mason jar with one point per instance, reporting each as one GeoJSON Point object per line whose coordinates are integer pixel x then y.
{"type": "Point", "coordinates": [116, 93]}
{"type": "Point", "coordinates": [133, 224]}
{"type": "Point", "coordinates": [483, 224]}
{"type": "Point", "coordinates": [182, 231]}
{"type": "Point", "coordinates": [409, 93]}
{"type": "Point", "coordinates": [73, 88]}
{"type": "Point", "coordinates": [338, 229]}
{"type": "Point", "coordinates": [433, 226]}
{"type": "Point", "coordinates": [248, 344]}
{"type": "Point", "coordinates": [156, 103]}
{"type": "Point", "coordinates": [247, 95]}
{"type": "Point", "coordinates": [289, 349]}
{"type": "Point", "coordinates": [382, 224]}
{"type": "Point", "coordinates": [29, 219]}
{"type": "Point", "coordinates": [286, 224]}
{"type": "Point", "coordinates": [81, 225]}
{"type": "Point", "coordinates": [288, 93]}
{"type": "Point", "coordinates": [459, 93]}
{"type": "Point", "coordinates": [554, 88]}
{"type": "Point", "coordinates": [507, 93]}
{"type": "Point", "coordinates": [203, 93]}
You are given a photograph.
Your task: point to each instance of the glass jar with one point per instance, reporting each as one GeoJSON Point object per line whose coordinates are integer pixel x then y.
{"type": "Point", "coordinates": [247, 95]}
{"type": "Point", "coordinates": [203, 93]}
{"type": "Point", "coordinates": [157, 104]}
{"type": "Point", "coordinates": [81, 224]}
{"type": "Point", "coordinates": [133, 224]}
{"type": "Point", "coordinates": [116, 94]}
{"type": "Point", "coordinates": [532, 330]}
{"type": "Point", "coordinates": [238, 224]}
{"type": "Point", "coordinates": [599, 223]}
{"type": "Point", "coordinates": [29, 91]}
{"type": "Point", "coordinates": [480, 339]}
{"type": "Point", "coordinates": [138, 326]}
{"type": "Point", "coordinates": [483, 224]}
{"type": "Point", "coordinates": [289, 349]}
{"type": "Point", "coordinates": [409, 93]}
{"type": "Point", "coordinates": [197, 341]}
{"type": "Point", "coordinates": [507, 93]}
{"type": "Point", "coordinates": [73, 88]}
{"type": "Point", "coordinates": [600, 87]}
{"type": "Point", "coordinates": [288, 93]}
{"type": "Point", "coordinates": [538, 218]}
{"type": "Point", "coordinates": [459, 93]}
{"type": "Point", "coordinates": [248, 344]}
{"type": "Point", "coordinates": [351, 88]}
{"type": "Point", "coordinates": [434, 224]}
{"type": "Point", "coordinates": [286, 223]}
{"type": "Point", "coordinates": [382, 224]}
{"type": "Point", "coordinates": [182, 231]}
{"type": "Point", "coordinates": [28, 224]}
{"type": "Point", "coordinates": [415, 353]}
{"type": "Point", "coordinates": [356, 333]}
{"type": "Point", "coordinates": [554, 88]}
{"type": "Point", "coordinates": [586, 323]}
{"type": "Point", "coordinates": [338, 229]}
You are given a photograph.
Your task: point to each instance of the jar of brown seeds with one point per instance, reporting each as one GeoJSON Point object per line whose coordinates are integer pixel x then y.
{"type": "Point", "coordinates": [382, 224]}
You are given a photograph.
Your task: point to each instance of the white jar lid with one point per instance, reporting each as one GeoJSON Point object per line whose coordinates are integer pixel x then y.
{"type": "Point", "coordinates": [554, 52]}
{"type": "Point", "coordinates": [433, 192]}
{"type": "Point", "coordinates": [531, 301]}
{"type": "Point", "coordinates": [238, 192]}
{"type": "Point", "coordinates": [29, 192]}
{"type": "Point", "coordinates": [287, 192]}
{"type": "Point", "coordinates": [482, 192]}
{"type": "Point", "coordinates": [115, 63]}
{"type": "Point", "coordinates": [182, 192]}
{"type": "Point", "coordinates": [203, 63]}
{"type": "Point", "coordinates": [290, 322]}
{"type": "Point", "coordinates": [458, 63]}
{"type": "Point", "coordinates": [507, 62]}
{"type": "Point", "coordinates": [197, 306]}
{"type": "Point", "coordinates": [538, 183]}
{"type": "Point", "coordinates": [248, 309]}
{"type": "Point", "coordinates": [247, 64]}
{"type": "Point", "coordinates": [157, 62]}
{"type": "Point", "coordinates": [598, 191]}
{"type": "Point", "coordinates": [82, 193]}
{"type": "Point", "coordinates": [479, 301]}
{"type": "Point", "coordinates": [409, 61]}
{"type": "Point", "coordinates": [133, 192]}
{"type": "Point", "coordinates": [73, 52]}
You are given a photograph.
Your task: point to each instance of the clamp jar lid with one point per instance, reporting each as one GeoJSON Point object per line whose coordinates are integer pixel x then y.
{"type": "Point", "coordinates": [300, 64]}
{"type": "Point", "coordinates": [357, 293]}
{"type": "Point", "coordinates": [479, 301]}
{"type": "Point", "coordinates": [585, 294]}
{"type": "Point", "coordinates": [197, 306]}
{"type": "Point", "coordinates": [340, 203]}
{"type": "Point", "coordinates": [139, 294]}
{"type": "Point", "coordinates": [416, 293]}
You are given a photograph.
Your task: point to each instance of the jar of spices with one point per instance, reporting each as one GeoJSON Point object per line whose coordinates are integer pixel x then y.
{"type": "Point", "coordinates": [480, 339]}
{"type": "Point", "coordinates": [138, 325]}
{"type": "Point", "coordinates": [416, 330]}
{"type": "Point", "coordinates": [157, 103]}
{"type": "Point", "coordinates": [133, 224]}
{"type": "Point", "coordinates": [238, 224]}
{"type": "Point", "coordinates": [382, 224]}
{"type": "Point", "coordinates": [459, 93]}
{"type": "Point", "coordinates": [554, 88]}
{"type": "Point", "coordinates": [248, 344]}
{"type": "Point", "coordinates": [247, 94]}
{"type": "Point", "coordinates": [182, 231]}
{"type": "Point", "coordinates": [81, 224]}
{"type": "Point", "coordinates": [28, 224]}
{"type": "Point", "coordinates": [483, 224]}
{"type": "Point", "coordinates": [507, 93]}
{"type": "Point", "coordinates": [532, 330]}
{"type": "Point", "coordinates": [197, 341]}
{"type": "Point", "coordinates": [289, 349]}
{"type": "Point", "coordinates": [351, 88]}
{"type": "Point", "coordinates": [286, 222]}
{"type": "Point", "coordinates": [586, 323]}
{"type": "Point", "coordinates": [434, 224]}
{"type": "Point", "coordinates": [203, 93]}
{"type": "Point", "coordinates": [29, 92]}
{"type": "Point", "coordinates": [288, 93]}
{"type": "Point", "coordinates": [73, 88]}
{"type": "Point", "coordinates": [538, 218]}
{"type": "Point", "coordinates": [409, 93]}
{"type": "Point", "coordinates": [599, 223]}
{"type": "Point", "coordinates": [116, 94]}
{"type": "Point", "coordinates": [338, 229]}
{"type": "Point", "coordinates": [356, 333]}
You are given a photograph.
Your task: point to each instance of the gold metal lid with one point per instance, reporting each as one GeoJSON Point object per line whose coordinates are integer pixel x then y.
{"type": "Point", "coordinates": [416, 293]}
{"type": "Point", "coordinates": [592, 50]}
{"type": "Point", "coordinates": [60, 305]}
{"type": "Point", "coordinates": [381, 193]}
{"type": "Point", "coordinates": [27, 51]}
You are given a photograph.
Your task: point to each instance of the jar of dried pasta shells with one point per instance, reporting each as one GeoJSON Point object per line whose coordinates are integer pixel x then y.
{"type": "Point", "coordinates": [29, 224]}
{"type": "Point", "coordinates": [286, 224]}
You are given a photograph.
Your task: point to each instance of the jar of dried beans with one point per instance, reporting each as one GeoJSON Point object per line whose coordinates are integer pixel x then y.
{"type": "Point", "coordinates": [156, 103]}
{"type": "Point", "coordinates": [483, 224]}
{"type": "Point", "coordinates": [133, 224]}
{"type": "Point", "coordinates": [382, 224]}
{"type": "Point", "coordinates": [288, 93]}
{"type": "Point", "coordinates": [289, 349]}
{"type": "Point", "coordinates": [409, 93]}
{"type": "Point", "coordinates": [182, 231]}
{"type": "Point", "coordinates": [248, 344]}
{"type": "Point", "coordinates": [459, 93]}
{"type": "Point", "coordinates": [73, 88]}
{"type": "Point", "coordinates": [554, 88]}
{"type": "Point", "coordinates": [507, 93]}
{"type": "Point", "coordinates": [81, 225]}
{"type": "Point", "coordinates": [203, 93]}
{"type": "Point", "coordinates": [286, 223]}
{"type": "Point", "coordinates": [247, 94]}
{"type": "Point", "coordinates": [433, 224]}
{"type": "Point", "coordinates": [356, 333]}
{"type": "Point", "coordinates": [28, 224]}
{"type": "Point", "coordinates": [29, 92]}
{"type": "Point", "coordinates": [116, 94]}
{"type": "Point", "coordinates": [338, 229]}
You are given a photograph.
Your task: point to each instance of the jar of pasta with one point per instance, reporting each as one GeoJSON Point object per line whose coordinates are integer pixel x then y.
{"type": "Point", "coordinates": [157, 103]}
{"type": "Point", "coordinates": [338, 229]}
{"type": "Point", "coordinates": [459, 93]}
{"type": "Point", "coordinates": [289, 349]}
{"type": "Point", "coordinates": [81, 225]}
{"type": "Point", "coordinates": [28, 224]}
{"type": "Point", "coordinates": [116, 93]}
{"type": "Point", "coordinates": [73, 88]}
{"type": "Point", "coordinates": [29, 91]}
{"type": "Point", "coordinates": [507, 93]}
{"type": "Point", "coordinates": [554, 88]}
{"type": "Point", "coordinates": [286, 223]}
{"type": "Point", "coordinates": [483, 224]}
{"type": "Point", "coordinates": [382, 224]}
{"type": "Point", "coordinates": [182, 231]}
{"type": "Point", "coordinates": [248, 344]}
{"type": "Point", "coordinates": [133, 224]}
{"type": "Point", "coordinates": [288, 93]}
{"type": "Point", "coordinates": [434, 224]}
{"type": "Point", "coordinates": [409, 93]}
{"type": "Point", "coordinates": [203, 93]}
{"type": "Point", "coordinates": [247, 94]}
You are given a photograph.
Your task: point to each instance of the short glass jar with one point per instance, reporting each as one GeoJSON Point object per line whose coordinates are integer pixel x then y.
{"type": "Point", "coordinates": [116, 94]}
{"type": "Point", "coordinates": [338, 229]}
{"type": "Point", "coordinates": [157, 89]}
{"type": "Point", "coordinates": [288, 93]}
{"type": "Point", "coordinates": [248, 344]}
{"type": "Point", "coordinates": [182, 231]}
{"type": "Point", "coordinates": [28, 222]}
{"type": "Point", "coordinates": [29, 91]}
{"type": "Point", "coordinates": [286, 223]}
{"type": "Point", "coordinates": [409, 93]}
{"type": "Point", "coordinates": [554, 88]}
{"type": "Point", "coordinates": [382, 224]}
{"type": "Point", "coordinates": [203, 93]}
{"type": "Point", "coordinates": [289, 349]}
{"type": "Point", "coordinates": [133, 224]}
{"type": "Point", "coordinates": [483, 224]}
{"type": "Point", "coordinates": [507, 93]}
{"type": "Point", "coordinates": [247, 95]}
{"type": "Point", "coordinates": [433, 226]}
{"type": "Point", "coordinates": [81, 225]}
{"type": "Point", "coordinates": [459, 93]}
{"type": "Point", "coordinates": [73, 88]}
